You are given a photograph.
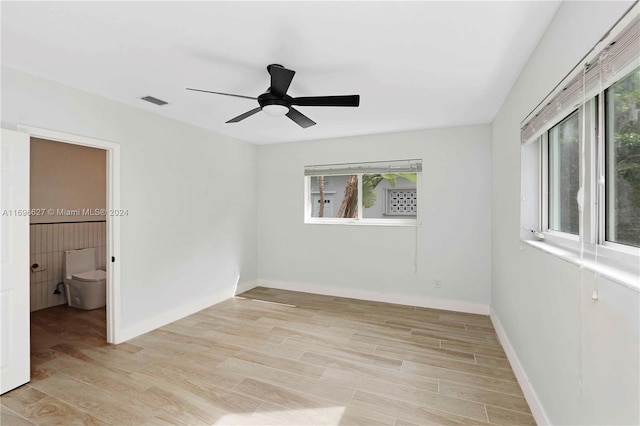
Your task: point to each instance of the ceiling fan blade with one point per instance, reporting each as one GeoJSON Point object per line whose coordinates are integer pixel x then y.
{"type": "Point", "coordinates": [300, 119]}
{"type": "Point", "coordinates": [280, 79]}
{"type": "Point", "coordinates": [328, 101]}
{"type": "Point", "coordinates": [245, 115]}
{"type": "Point", "coordinates": [220, 93]}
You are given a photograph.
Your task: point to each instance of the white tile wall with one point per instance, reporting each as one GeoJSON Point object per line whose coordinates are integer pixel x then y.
{"type": "Point", "coordinates": [48, 241]}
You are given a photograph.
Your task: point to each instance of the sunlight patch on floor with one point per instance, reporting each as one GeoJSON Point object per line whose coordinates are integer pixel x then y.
{"type": "Point", "coordinates": [269, 414]}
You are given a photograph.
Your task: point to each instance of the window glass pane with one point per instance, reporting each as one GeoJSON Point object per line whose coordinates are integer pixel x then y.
{"type": "Point", "coordinates": [623, 161]}
{"type": "Point", "coordinates": [564, 175]}
{"type": "Point", "coordinates": [334, 196]}
{"type": "Point", "coordinates": [389, 196]}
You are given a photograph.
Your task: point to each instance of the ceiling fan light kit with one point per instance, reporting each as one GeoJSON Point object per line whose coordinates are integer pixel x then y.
{"type": "Point", "coordinates": [276, 102]}
{"type": "Point", "coordinates": [275, 110]}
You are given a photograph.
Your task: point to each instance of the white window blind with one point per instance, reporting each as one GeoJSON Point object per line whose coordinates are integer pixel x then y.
{"type": "Point", "coordinates": [382, 167]}
{"type": "Point", "coordinates": [613, 57]}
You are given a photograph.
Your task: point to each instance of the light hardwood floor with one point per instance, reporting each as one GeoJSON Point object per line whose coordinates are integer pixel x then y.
{"type": "Point", "coordinates": [271, 357]}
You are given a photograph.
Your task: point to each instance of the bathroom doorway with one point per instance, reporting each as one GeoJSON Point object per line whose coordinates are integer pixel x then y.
{"type": "Point", "coordinates": [68, 196]}
{"type": "Point", "coordinates": [74, 195]}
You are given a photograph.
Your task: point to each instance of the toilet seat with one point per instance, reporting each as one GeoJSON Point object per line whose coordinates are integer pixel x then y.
{"type": "Point", "coordinates": [89, 276]}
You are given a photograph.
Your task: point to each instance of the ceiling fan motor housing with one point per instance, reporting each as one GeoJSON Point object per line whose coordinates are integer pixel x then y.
{"type": "Point", "coordinates": [268, 98]}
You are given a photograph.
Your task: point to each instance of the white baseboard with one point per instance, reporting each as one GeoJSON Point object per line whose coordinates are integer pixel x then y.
{"type": "Point", "coordinates": [179, 312]}
{"type": "Point", "coordinates": [167, 317]}
{"type": "Point", "coordinates": [246, 286]}
{"type": "Point", "coordinates": [523, 380]}
{"type": "Point", "coordinates": [425, 302]}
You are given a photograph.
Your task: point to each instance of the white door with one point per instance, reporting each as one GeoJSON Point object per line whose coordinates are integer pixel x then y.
{"type": "Point", "coordinates": [14, 259]}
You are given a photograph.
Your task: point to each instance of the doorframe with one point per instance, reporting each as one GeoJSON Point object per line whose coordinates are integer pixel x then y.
{"type": "Point", "coordinates": [113, 222]}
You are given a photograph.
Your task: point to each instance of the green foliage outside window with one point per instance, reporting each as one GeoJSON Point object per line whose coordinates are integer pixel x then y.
{"type": "Point", "coordinates": [623, 161]}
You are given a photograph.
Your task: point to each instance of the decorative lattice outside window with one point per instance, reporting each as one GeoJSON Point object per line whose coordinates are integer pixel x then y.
{"type": "Point", "coordinates": [401, 202]}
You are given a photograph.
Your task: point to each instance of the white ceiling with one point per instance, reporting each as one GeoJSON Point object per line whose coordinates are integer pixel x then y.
{"type": "Point", "coordinates": [416, 65]}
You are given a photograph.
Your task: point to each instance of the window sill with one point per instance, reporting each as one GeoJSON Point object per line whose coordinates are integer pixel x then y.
{"type": "Point", "coordinates": [626, 277]}
{"type": "Point", "coordinates": [363, 222]}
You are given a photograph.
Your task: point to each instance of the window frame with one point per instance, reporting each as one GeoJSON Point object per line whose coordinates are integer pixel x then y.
{"type": "Point", "coordinates": [611, 60]}
{"type": "Point", "coordinates": [619, 253]}
{"type": "Point", "coordinates": [561, 237]}
{"type": "Point", "coordinates": [360, 220]}
{"type": "Point", "coordinates": [591, 239]}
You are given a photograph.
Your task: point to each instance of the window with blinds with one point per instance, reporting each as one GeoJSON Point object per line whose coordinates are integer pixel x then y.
{"type": "Point", "coordinates": [581, 152]}
{"type": "Point", "coordinates": [375, 193]}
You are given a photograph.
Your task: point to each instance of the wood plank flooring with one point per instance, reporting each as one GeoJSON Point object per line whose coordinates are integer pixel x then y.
{"type": "Point", "coordinates": [271, 357]}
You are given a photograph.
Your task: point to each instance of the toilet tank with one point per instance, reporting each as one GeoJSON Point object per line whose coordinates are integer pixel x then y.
{"type": "Point", "coordinates": [79, 261]}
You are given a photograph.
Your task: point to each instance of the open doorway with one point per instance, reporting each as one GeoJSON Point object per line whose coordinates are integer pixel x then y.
{"type": "Point", "coordinates": [68, 242]}
{"type": "Point", "coordinates": [75, 183]}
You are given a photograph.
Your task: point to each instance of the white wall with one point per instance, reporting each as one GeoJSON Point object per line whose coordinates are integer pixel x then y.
{"type": "Point", "coordinates": [377, 262]}
{"type": "Point", "coordinates": [189, 233]}
{"type": "Point", "coordinates": [544, 303]}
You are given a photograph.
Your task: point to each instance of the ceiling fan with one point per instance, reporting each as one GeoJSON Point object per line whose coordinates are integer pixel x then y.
{"type": "Point", "coordinates": [276, 102]}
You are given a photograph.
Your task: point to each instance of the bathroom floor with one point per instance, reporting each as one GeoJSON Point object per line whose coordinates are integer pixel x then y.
{"type": "Point", "coordinates": [62, 325]}
{"type": "Point", "coordinates": [271, 357]}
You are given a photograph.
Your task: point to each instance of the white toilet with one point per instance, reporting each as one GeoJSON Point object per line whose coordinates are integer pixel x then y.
{"type": "Point", "coordinates": [85, 286]}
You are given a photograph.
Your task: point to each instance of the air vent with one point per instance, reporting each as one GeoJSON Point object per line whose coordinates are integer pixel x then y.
{"type": "Point", "coordinates": [155, 101]}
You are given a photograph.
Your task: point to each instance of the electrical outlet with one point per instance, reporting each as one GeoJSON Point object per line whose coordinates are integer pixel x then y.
{"type": "Point", "coordinates": [438, 283]}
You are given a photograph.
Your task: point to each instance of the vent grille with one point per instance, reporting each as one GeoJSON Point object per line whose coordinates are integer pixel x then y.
{"type": "Point", "coordinates": [155, 101]}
